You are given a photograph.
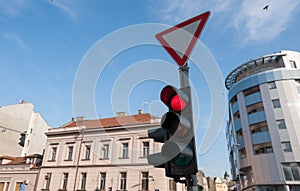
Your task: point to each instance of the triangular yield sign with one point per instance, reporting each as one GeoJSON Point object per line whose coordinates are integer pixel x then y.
{"type": "Point", "coordinates": [180, 40]}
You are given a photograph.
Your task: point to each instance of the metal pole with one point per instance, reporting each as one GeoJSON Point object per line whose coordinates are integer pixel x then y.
{"type": "Point", "coordinates": [191, 182]}
{"type": "Point", "coordinates": [184, 76]}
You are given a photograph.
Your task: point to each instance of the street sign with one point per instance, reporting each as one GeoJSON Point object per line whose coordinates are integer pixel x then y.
{"type": "Point", "coordinates": [180, 40]}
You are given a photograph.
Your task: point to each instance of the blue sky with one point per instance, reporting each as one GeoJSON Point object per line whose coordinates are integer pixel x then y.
{"type": "Point", "coordinates": [42, 44]}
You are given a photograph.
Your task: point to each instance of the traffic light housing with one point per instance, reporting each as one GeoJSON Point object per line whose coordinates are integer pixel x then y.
{"type": "Point", "coordinates": [22, 139]}
{"type": "Point", "coordinates": [178, 152]}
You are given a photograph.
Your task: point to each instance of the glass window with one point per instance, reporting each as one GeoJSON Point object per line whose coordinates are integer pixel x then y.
{"type": "Point", "coordinates": [18, 186]}
{"type": "Point", "coordinates": [172, 185]}
{"type": "Point", "coordinates": [123, 181]}
{"type": "Point", "coordinates": [293, 64]}
{"type": "Point", "coordinates": [286, 146]}
{"type": "Point", "coordinates": [295, 171]}
{"type": "Point", "coordinates": [291, 171]}
{"type": "Point", "coordinates": [53, 155]}
{"type": "Point", "coordinates": [272, 85]}
{"type": "Point", "coordinates": [145, 149]}
{"type": "Point", "coordinates": [105, 151]}
{"type": "Point", "coordinates": [7, 186]}
{"type": "Point", "coordinates": [47, 180]}
{"type": "Point", "coordinates": [124, 150]}
{"type": "Point", "coordinates": [145, 180]}
{"type": "Point", "coordinates": [70, 152]}
{"type": "Point", "coordinates": [87, 152]}
{"type": "Point", "coordinates": [2, 185]}
{"type": "Point", "coordinates": [281, 124]}
{"type": "Point", "coordinates": [276, 103]}
{"type": "Point", "coordinates": [83, 181]}
{"type": "Point", "coordinates": [102, 180]}
{"type": "Point", "coordinates": [65, 181]}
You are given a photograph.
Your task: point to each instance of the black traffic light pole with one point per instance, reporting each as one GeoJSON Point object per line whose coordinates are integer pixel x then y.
{"type": "Point", "coordinates": [191, 182]}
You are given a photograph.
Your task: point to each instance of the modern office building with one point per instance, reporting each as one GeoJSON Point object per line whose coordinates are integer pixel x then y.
{"type": "Point", "coordinates": [263, 128]}
{"type": "Point", "coordinates": [103, 154]}
{"type": "Point", "coordinates": [21, 118]}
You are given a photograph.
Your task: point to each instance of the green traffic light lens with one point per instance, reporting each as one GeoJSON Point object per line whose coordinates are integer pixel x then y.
{"type": "Point", "coordinates": [181, 160]}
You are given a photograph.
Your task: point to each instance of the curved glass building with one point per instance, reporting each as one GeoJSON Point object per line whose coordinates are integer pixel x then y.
{"type": "Point", "coordinates": [263, 131]}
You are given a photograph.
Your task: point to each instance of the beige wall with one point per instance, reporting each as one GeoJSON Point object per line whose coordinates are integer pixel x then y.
{"type": "Point", "coordinates": [79, 138]}
{"type": "Point", "coordinates": [21, 118]}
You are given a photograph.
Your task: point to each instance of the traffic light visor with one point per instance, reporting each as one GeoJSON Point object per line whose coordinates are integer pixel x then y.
{"type": "Point", "coordinates": [173, 98]}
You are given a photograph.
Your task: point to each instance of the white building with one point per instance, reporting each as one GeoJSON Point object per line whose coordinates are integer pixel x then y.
{"type": "Point", "coordinates": [21, 118]}
{"type": "Point", "coordinates": [263, 130]}
{"type": "Point", "coordinates": [103, 154]}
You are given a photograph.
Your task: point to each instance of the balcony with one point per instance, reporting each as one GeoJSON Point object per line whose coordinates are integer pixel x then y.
{"type": "Point", "coordinates": [241, 143]}
{"type": "Point", "coordinates": [235, 107]}
{"type": "Point", "coordinates": [261, 137]}
{"type": "Point", "coordinates": [256, 117]}
{"type": "Point", "coordinates": [237, 124]}
{"type": "Point", "coordinates": [253, 98]}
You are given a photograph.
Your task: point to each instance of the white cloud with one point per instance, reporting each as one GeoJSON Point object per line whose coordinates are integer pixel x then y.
{"type": "Point", "coordinates": [65, 6]}
{"type": "Point", "coordinates": [246, 17]}
{"type": "Point", "coordinates": [12, 8]}
{"type": "Point", "coordinates": [15, 39]}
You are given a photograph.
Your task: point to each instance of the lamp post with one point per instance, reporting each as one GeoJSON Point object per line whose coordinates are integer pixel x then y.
{"type": "Point", "coordinates": [236, 149]}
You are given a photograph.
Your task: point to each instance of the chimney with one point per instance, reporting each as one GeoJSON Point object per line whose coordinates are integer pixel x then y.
{"type": "Point", "coordinates": [140, 111]}
{"type": "Point", "coordinates": [120, 114]}
{"type": "Point", "coordinates": [77, 119]}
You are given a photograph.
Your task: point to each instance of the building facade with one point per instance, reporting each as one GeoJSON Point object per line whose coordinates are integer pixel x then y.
{"type": "Point", "coordinates": [263, 131]}
{"type": "Point", "coordinates": [17, 119]}
{"type": "Point", "coordinates": [103, 154]}
{"type": "Point", "coordinates": [19, 172]}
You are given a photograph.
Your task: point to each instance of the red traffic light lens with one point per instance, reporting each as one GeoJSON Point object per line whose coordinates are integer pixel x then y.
{"type": "Point", "coordinates": [177, 104]}
{"type": "Point", "coordinates": [170, 98]}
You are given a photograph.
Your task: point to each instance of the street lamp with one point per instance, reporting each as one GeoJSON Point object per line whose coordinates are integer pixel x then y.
{"type": "Point", "coordinates": [236, 149]}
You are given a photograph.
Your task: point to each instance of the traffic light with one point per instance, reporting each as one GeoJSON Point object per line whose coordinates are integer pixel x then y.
{"type": "Point", "coordinates": [22, 139]}
{"type": "Point", "coordinates": [177, 133]}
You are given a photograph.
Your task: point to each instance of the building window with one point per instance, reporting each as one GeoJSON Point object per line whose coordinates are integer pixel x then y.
{"type": "Point", "coordinates": [53, 155]}
{"type": "Point", "coordinates": [145, 149]}
{"type": "Point", "coordinates": [286, 146]}
{"type": "Point", "coordinates": [83, 181]}
{"type": "Point", "coordinates": [242, 153]}
{"type": "Point", "coordinates": [65, 181]}
{"type": "Point", "coordinates": [293, 64]}
{"type": "Point", "coordinates": [291, 171]}
{"type": "Point", "coordinates": [281, 124]}
{"type": "Point", "coordinates": [257, 107]}
{"type": "Point", "coordinates": [172, 185]}
{"type": "Point", "coordinates": [271, 85]}
{"type": "Point", "coordinates": [124, 150]}
{"type": "Point", "coordinates": [87, 152]}
{"type": "Point", "coordinates": [145, 180]}
{"type": "Point", "coordinates": [102, 180]}
{"type": "Point", "coordinates": [276, 103]}
{"type": "Point", "coordinates": [2, 185]}
{"type": "Point", "coordinates": [251, 90]}
{"type": "Point", "coordinates": [70, 152]}
{"type": "Point", "coordinates": [105, 151]}
{"type": "Point", "coordinates": [47, 180]}
{"type": "Point", "coordinates": [259, 127]}
{"type": "Point", "coordinates": [123, 181]}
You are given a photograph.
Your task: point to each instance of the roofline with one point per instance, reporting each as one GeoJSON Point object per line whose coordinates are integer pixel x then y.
{"type": "Point", "coordinates": [231, 77]}
{"type": "Point", "coordinates": [72, 130]}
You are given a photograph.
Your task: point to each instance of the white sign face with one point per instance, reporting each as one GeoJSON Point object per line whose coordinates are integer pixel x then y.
{"type": "Point", "coordinates": [180, 40]}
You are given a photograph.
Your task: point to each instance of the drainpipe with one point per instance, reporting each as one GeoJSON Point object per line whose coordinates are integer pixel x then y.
{"type": "Point", "coordinates": [78, 158]}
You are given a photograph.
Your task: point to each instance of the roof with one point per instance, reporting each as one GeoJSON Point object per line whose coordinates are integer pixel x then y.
{"type": "Point", "coordinates": [113, 122]}
{"type": "Point", "coordinates": [231, 79]}
{"type": "Point", "coordinates": [18, 160]}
